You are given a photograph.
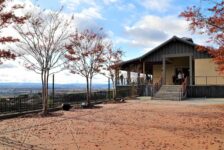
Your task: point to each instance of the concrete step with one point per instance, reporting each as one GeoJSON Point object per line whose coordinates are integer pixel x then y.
{"type": "Point", "coordinates": [168, 98]}
{"type": "Point", "coordinates": [170, 88]}
{"type": "Point", "coordinates": [168, 92]}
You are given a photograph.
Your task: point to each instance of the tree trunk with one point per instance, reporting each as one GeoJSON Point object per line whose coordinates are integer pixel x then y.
{"type": "Point", "coordinates": [87, 91]}
{"type": "Point", "coordinates": [114, 87]}
{"type": "Point", "coordinates": [45, 92]}
{"type": "Point", "coordinates": [42, 94]}
{"type": "Point", "coordinates": [90, 88]}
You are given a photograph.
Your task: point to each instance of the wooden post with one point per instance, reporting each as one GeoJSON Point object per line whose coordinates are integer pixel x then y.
{"type": "Point", "coordinates": [190, 71]}
{"type": "Point", "coordinates": [143, 67]}
{"type": "Point", "coordinates": [53, 90]}
{"type": "Point", "coordinates": [128, 77]}
{"type": "Point", "coordinates": [138, 79]}
{"type": "Point", "coordinates": [164, 71]}
{"type": "Point", "coordinates": [116, 77]}
{"type": "Point", "coordinates": [109, 88]}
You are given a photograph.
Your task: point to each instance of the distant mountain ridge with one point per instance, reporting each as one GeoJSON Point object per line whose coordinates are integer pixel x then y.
{"type": "Point", "coordinates": [57, 86]}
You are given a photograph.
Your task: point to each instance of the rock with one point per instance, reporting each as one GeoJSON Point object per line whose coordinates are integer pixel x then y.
{"type": "Point", "coordinates": [66, 106]}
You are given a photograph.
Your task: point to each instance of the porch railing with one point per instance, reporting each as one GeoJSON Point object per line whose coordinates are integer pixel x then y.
{"type": "Point", "coordinates": [157, 86]}
{"type": "Point", "coordinates": [132, 81]}
{"type": "Point", "coordinates": [208, 80]}
{"type": "Point", "coordinates": [183, 89]}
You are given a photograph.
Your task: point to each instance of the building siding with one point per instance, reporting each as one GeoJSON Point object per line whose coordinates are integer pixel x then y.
{"type": "Point", "coordinates": [206, 73]}
{"type": "Point", "coordinates": [175, 47]}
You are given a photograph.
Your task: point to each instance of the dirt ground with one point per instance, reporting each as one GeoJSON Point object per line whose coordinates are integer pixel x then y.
{"type": "Point", "coordinates": [135, 125]}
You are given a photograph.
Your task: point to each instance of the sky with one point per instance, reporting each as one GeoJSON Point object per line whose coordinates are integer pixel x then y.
{"type": "Point", "coordinates": [135, 26]}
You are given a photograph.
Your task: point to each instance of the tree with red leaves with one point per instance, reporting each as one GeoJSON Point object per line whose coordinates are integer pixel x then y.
{"type": "Point", "coordinates": [8, 17]}
{"type": "Point", "coordinates": [85, 55]}
{"type": "Point", "coordinates": [113, 60]}
{"type": "Point", "coordinates": [210, 22]}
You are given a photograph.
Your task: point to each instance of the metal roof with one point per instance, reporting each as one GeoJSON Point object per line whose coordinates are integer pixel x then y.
{"type": "Point", "coordinates": [174, 38]}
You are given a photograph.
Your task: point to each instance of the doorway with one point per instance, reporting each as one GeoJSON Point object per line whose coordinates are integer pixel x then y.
{"type": "Point", "coordinates": [184, 71]}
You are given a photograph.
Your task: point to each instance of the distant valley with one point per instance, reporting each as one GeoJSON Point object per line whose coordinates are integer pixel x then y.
{"type": "Point", "coordinates": [57, 86]}
{"type": "Point", "coordinates": [15, 89]}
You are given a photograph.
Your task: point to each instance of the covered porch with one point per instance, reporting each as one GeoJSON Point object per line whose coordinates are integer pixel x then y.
{"type": "Point", "coordinates": [152, 72]}
{"type": "Point", "coordinates": [170, 64]}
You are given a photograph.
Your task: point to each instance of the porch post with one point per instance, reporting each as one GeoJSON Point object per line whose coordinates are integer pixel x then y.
{"type": "Point", "coordinates": [116, 77]}
{"type": "Point", "coordinates": [164, 71]}
{"type": "Point", "coordinates": [128, 77]}
{"type": "Point", "coordinates": [191, 74]}
{"type": "Point", "coordinates": [138, 79]}
{"type": "Point", "coordinates": [143, 67]}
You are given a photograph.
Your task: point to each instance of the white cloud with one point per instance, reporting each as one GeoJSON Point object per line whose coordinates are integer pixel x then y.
{"type": "Point", "coordinates": [14, 71]}
{"type": "Point", "coordinates": [89, 13]}
{"type": "Point", "coordinates": [109, 2]}
{"type": "Point", "coordinates": [167, 24]}
{"type": "Point", "coordinates": [157, 5]}
{"type": "Point", "coordinates": [143, 33]}
{"type": "Point", "coordinates": [87, 18]}
{"type": "Point", "coordinates": [125, 6]}
{"type": "Point", "coordinates": [150, 31]}
{"type": "Point", "coordinates": [74, 4]}
{"type": "Point", "coordinates": [86, 12]}
{"type": "Point", "coordinates": [17, 74]}
{"type": "Point", "coordinates": [8, 64]}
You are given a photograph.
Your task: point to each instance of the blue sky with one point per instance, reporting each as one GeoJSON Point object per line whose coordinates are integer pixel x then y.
{"type": "Point", "coordinates": [135, 26]}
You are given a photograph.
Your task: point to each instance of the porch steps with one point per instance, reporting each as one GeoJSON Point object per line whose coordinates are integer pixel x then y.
{"type": "Point", "coordinates": [168, 92]}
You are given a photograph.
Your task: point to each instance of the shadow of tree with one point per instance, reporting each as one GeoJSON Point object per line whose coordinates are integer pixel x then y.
{"type": "Point", "coordinates": [18, 145]}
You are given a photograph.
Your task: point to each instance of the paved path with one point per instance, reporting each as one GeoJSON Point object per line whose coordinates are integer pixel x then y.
{"type": "Point", "coordinates": [196, 101]}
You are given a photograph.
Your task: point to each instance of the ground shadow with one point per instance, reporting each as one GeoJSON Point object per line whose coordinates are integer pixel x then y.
{"type": "Point", "coordinates": [40, 115]}
{"type": "Point", "coordinates": [86, 107]}
{"type": "Point", "coordinates": [18, 145]}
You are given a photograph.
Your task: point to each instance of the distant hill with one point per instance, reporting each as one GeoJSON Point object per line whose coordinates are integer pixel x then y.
{"type": "Point", "coordinates": [16, 85]}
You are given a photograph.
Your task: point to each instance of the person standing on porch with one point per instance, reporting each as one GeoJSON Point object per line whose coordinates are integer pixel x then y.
{"type": "Point", "coordinates": [183, 77]}
{"type": "Point", "coordinates": [122, 79]}
{"type": "Point", "coordinates": [147, 78]}
{"type": "Point", "coordinates": [179, 77]}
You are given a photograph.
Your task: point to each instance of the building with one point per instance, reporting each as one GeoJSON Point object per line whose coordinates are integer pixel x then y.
{"type": "Point", "coordinates": [176, 63]}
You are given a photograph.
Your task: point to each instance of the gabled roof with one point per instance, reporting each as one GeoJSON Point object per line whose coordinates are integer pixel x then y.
{"type": "Point", "coordinates": [174, 38]}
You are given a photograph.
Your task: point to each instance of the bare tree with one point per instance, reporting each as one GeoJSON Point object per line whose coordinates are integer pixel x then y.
{"type": "Point", "coordinates": [42, 46]}
{"type": "Point", "coordinates": [113, 59]}
{"type": "Point", "coordinates": [86, 56]}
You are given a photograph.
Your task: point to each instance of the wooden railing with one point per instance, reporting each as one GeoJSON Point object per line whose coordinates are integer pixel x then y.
{"type": "Point", "coordinates": [208, 80]}
{"type": "Point", "coordinates": [131, 81]}
{"type": "Point", "coordinates": [183, 89]}
{"type": "Point", "coordinates": [157, 86]}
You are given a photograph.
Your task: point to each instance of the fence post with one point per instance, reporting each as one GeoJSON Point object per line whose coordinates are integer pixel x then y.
{"type": "Point", "coordinates": [5, 106]}
{"type": "Point", "coordinates": [53, 91]}
{"type": "Point", "coordinates": [20, 105]}
{"type": "Point", "coordinates": [1, 105]}
{"type": "Point", "coordinates": [180, 95]}
{"type": "Point", "coordinates": [108, 88]}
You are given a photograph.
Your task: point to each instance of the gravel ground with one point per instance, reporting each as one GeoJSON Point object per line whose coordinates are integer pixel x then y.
{"type": "Point", "coordinates": [135, 125]}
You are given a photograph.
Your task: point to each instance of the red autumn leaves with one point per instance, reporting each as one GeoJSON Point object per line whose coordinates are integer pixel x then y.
{"type": "Point", "coordinates": [7, 18]}
{"type": "Point", "coordinates": [209, 21]}
{"type": "Point", "coordinates": [88, 54]}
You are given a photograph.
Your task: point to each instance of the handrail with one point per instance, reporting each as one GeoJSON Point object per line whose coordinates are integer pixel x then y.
{"type": "Point", "coordinates": [183, 89]}
{"type": "Point", "coordinates": [157, 86]}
